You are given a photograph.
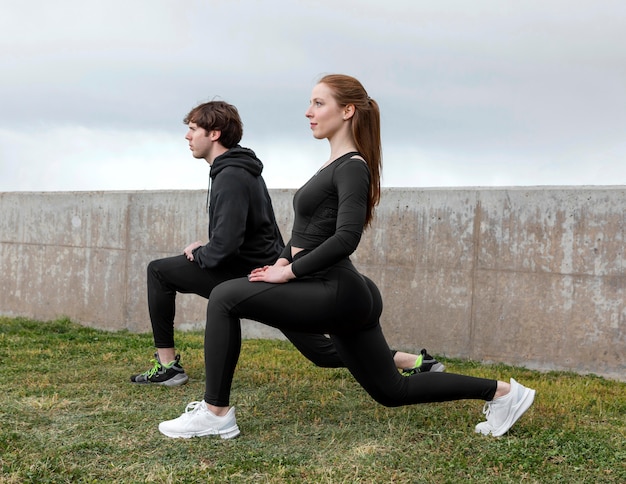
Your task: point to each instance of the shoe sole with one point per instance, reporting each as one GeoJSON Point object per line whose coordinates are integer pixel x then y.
{"type": "Point", "coordinates": [524, 404]}
{"type": "Point", "coordinates": [172, 382]}
{"type": "Point", "coordinates": [176, 381]}
{"type": "Point", "coordinates": [438, 367]}
{"type": "Point", "coordinates": [230, 433]}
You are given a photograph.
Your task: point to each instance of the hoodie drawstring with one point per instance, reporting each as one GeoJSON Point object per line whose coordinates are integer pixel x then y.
{"type": "Point", "coordinates": [208, 191]}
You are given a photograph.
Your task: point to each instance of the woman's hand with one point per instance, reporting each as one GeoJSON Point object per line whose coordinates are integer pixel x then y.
{"type": "Point", "coordinates": [278, 273]}
{"type": "Point", "coordinates": [190, 248]}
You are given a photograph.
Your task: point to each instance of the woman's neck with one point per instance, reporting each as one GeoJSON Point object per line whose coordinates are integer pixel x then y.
{"type": "Point", "coordinates": [341, 145]}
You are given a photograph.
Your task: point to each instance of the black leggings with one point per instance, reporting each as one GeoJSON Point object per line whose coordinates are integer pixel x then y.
{"type": "Point", "coordinates": [318, 349]}
{"type": "Point", "coordinates": [175, 274]}
{"type": "Point", "coordinates": [338, 301]}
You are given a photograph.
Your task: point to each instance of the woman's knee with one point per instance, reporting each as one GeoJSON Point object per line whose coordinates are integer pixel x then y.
{"type": "Point", "coordinates": [391, 394]}
{"type": "Point", "coordinates": [387, 398]}
{"type": "Point", "coordinates": [218, 299]}
{"type": "Point", "coordinates": [226, 295]}
{"type": "Point", "coordinates": [390, 391]}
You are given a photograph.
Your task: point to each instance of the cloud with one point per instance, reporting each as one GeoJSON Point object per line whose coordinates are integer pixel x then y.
{"type": "Point", "coordinates": [488, 93]}
{"type": "Point", "coordinates": [77, 158]}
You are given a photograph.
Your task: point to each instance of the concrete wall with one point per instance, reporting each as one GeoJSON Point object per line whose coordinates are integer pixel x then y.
{"type": "Point", "coordinates": [526, 276]}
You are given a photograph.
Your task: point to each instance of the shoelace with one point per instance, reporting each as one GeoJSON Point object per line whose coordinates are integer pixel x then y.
{"type": "Point", "coordinates": [487, 409]}
{"type": "Point", "coordinates": [193, 407]}
{"type": "Point", "coordinates": [154, 370]}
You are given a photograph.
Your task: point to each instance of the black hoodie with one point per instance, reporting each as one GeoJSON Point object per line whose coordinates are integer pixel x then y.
{"type": "Point", "coordinates": [242, 228]}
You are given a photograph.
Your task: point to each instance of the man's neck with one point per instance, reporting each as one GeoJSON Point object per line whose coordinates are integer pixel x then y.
{"type": "Point", "coordinates": [218, 150]}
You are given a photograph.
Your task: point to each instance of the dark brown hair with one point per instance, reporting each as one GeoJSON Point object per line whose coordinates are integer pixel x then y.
{"type": "Point", "coordinates": [365, 129]}
{"type": "Point", "coordinates": [218, 116]}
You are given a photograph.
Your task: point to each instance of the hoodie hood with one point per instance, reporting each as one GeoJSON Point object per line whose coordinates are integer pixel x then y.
{"type": "Point", "coordinates": [237, 157]}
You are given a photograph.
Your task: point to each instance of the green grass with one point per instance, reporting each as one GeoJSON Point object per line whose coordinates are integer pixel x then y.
{"type": "Point", "coordinates": [68, 414]}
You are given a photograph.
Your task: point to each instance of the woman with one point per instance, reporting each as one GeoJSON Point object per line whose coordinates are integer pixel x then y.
{"type": "Point", "coordinates": [314, 288]}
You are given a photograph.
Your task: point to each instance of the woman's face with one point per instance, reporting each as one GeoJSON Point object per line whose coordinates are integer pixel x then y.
{"type": "Point", "coordinates": [324, 114]}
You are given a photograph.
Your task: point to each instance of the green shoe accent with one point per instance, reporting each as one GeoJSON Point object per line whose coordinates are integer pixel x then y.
{"type": "Point", "coordinates": [169, 375]}
{"type": "Point", "coordinates": [170, 364]}
{"type": "Point", "coordinates": [424, 363]}
{"type": "Point", "coordinates": [154, 370]}
{"type": "Point", "coordinates": [414, 368]}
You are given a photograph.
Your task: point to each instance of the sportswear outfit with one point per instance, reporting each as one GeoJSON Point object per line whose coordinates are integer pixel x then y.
{"type": "Point", "coordinates": [328, 296]}
{"type": "Point", "coordinates": [243, 235]}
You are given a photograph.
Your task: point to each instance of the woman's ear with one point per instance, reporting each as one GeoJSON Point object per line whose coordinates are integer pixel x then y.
{"type": "Point", "coordinates": [348, 111]}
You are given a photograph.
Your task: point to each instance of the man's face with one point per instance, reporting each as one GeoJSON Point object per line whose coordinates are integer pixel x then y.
{"type": "Point", "coordinates": [200, 141]}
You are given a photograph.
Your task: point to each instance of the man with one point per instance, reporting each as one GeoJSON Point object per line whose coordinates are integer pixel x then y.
{"type": "Point", "coordinates": [243, 235]}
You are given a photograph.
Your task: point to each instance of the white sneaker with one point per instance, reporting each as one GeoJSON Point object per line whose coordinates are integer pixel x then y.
{"type": "Point", "coordinates": [199, 421]}
{"type": "Point", "coordinates": [504, 411]}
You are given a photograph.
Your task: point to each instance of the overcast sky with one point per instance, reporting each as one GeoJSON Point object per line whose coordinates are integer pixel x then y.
{"type": "Point", "coordinates": [481, 93]}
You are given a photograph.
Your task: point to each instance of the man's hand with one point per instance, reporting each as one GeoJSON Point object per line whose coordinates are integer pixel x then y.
{"type": "Point", "coordinates": [190, 248]}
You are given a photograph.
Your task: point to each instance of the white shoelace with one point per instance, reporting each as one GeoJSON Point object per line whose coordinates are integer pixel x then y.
{"type": "Point", "coordinates": [193, 407]}
{"type": "Point", "coordinates": [487, 409]}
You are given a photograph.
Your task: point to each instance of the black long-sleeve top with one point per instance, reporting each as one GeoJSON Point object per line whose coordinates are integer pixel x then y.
{"type": "Point", "coordinates": [330, 212]}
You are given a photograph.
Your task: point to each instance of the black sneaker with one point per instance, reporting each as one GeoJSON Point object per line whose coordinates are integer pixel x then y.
{"type": "Point", "coordinates": [424, 363]}
{"type": "Point", "coordinates": [170, 375]}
